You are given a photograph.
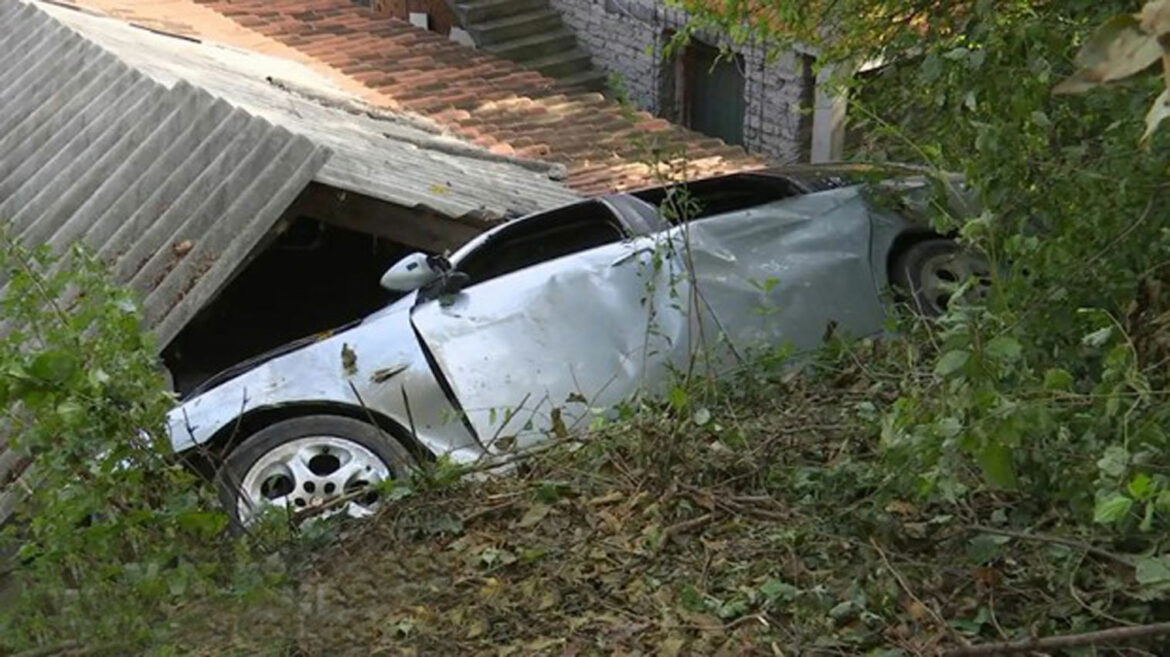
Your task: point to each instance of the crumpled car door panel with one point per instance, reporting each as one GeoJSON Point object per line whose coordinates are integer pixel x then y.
{"type": "Point", "coordinates": [583, 331]}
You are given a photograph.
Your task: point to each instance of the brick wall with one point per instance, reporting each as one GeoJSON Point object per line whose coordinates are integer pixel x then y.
{"type": "Point", "coordinates": [626, 37]}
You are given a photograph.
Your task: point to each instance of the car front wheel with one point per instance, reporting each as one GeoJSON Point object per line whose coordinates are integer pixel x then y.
{"type": "Point", "coordinates": [931, 270]}
{"type": "Point", "coordinates": [314, 465]}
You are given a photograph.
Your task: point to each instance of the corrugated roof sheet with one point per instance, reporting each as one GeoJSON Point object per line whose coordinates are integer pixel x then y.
{"type": "Point", "coordinates": [171, 186]}
{"type": "Point", "coordinates": [93, 150]}
{"type": "Point", "coordinates": [393, 156]}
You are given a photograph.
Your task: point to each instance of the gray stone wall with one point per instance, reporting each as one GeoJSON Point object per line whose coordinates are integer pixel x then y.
{"type": "Point", "coordinates": [626, 37]}
{"type": "Point", "coordinates": [620, 42]}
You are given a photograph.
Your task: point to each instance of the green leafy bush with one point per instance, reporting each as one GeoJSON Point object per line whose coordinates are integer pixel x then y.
{"type": "Point", "coordinates": [1052, 390]}
{"type": "Point", "coordinates": [115, 533]}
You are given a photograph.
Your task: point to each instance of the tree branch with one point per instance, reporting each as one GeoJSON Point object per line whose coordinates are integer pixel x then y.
{"type": "Point", "coordinates": [1102, 637]}
{"type": "Point", "coordinates": [1057, 540]}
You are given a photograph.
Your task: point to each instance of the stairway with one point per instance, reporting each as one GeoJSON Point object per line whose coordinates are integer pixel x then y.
{"type": "Point", "coordinates": [530, 33]}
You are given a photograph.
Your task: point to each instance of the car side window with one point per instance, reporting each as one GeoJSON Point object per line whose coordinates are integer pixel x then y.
{"type": "Point", "coordinates": [542, 238]}
{"type": "Point", "coordinates": [713, 196]}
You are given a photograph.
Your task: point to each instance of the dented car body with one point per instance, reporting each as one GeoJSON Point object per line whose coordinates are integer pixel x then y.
{"type": "Point", "coordinates": [532, 327]}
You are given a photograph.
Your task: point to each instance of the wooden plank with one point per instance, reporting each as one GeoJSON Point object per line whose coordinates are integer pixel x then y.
{"type": "Point", "coordinates": [417, 228]}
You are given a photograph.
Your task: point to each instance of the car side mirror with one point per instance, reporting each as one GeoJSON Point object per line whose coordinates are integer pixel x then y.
{"type": "Point", "coordinates": [413, 272]}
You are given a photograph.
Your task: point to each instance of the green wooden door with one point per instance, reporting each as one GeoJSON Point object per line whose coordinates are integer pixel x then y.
{"type": "Point", "coordinates": [715, 99]}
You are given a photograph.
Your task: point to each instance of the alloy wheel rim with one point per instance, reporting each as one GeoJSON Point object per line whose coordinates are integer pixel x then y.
{"type": "Point", "coordinates": [943, 273]}
{"type": "Point", "coordinates": [312, 472]}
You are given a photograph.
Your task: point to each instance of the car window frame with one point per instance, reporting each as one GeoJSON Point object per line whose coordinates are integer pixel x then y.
{"type": "Point", "coordinates": [531, 227]}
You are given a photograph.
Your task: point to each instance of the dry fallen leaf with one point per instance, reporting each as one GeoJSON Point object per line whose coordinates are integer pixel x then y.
{"type": "Point", "coordinates": [477, 628]}
{"type": "Point", "coordinates": [532, 516]}
{"type": "Point", "coordinates": [1158, 112]}
{"type": "Point", "coordinates": [671, 646]}
{"type": "Point", "coordinates": [987, 578]}
{"type": "Point", "coordinates": [1155, 17]}
{"type": "Point", "coordinates": [550, 599]}
{"type": "Point", "coordinates": [491, 586]}
{"type": "Point", "coordinates": [1118, 49]}
{"type": "Point", "coordinates": [901, 508]}
{"type": "Point", "coordinates": [917, 610]}
{"type": "Point", "coordinates": [608, 498]}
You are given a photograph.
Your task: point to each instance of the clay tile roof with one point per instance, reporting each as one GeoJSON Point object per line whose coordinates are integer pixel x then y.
{"type": "Point", "coordinates": [483, 98]}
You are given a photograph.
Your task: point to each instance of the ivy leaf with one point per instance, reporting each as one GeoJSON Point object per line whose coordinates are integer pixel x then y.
{"type": "Point", "coordinates": [1114, 461]}
{"type": "Point", "coordinates": [1005, 349]}
{"type": "Point", "coordinates": [1152, 570]}
{"type": "Point", "coordinates": [1147, 522]}
{"type": "Point", "coordinates": [998, 467]}
{"type": "Point", "coordinates": [204, 523]}
{"type": "Point", "coordinates": [53, 366]}
{"type": "Point", "coordinates": [932, 68]}
{"type": "Point", "coordinates": [1111, 508]}
{"type": "Point", "coordinates": [951, 362]}
{"type": "Point", "coordinates": [1159, 111]}
{"type": "Point", "coordinates": [982, 549]}
{"type": "Point", "coordinates": [1162, 502]}
{"type": "Point", "coordinates": [1139, 486]}
{"type": "Point", "coordinates": [1117, 50]}
{"type": "Point", "coordinates": [1057, 379]}
{"type": "Point", "coordinates": [775, 589]}
{"type": "Point", "coordinates": [1098, 337]}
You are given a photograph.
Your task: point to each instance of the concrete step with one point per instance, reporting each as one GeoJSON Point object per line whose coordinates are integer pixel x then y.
{"type": "Point", "coordinates": [572, 61]}
{"type": "Point", "coordinates": [534, 47]}
{"type": "Point", "coordinates": [516, 26]}
{"type": "Point", "coordinates": [591, 79]}
{"type": "Point", "coordinates": [477, 11]}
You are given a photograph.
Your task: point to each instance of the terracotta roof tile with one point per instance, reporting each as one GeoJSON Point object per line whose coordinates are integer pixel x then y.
{"type": "Point", "coordinates": [485, 99]}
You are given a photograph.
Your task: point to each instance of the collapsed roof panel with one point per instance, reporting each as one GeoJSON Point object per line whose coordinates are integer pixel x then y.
{"type": "Point", "coordinates": [172, 186]}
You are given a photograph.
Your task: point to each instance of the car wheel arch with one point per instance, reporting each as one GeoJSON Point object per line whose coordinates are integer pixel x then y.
{"type": "Point", "coordinates": [208, 455]}
{"type": "Point", "coordinates": [905, 240]}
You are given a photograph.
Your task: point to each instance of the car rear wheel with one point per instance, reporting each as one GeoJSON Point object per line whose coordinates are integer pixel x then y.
{"type": "Point", "coordinates": [929, 272]}
{"type": "Point", "coordinates": [313, 465]}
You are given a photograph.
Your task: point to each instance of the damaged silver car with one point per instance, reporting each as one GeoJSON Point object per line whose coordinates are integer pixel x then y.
{"type": "Point", "coordinates": [532, 327]}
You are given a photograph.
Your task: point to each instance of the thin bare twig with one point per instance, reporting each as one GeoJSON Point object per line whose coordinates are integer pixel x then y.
{"type": "Point", "coordinates": [1057, 540]}
{"type": "Point", "coordinates": [1072, 590]}
{"type": "Point", "coordinates": [496, 464]}
{"type": "Point", "coordinates": [906, 587]}
{"type": "Point", "coordinates": [685, 526]}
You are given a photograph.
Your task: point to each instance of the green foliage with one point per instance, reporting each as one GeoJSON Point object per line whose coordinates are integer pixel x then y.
{"type": "Point", "coordinates": [1036, 386]}
{"type": "Point", "coordinates": [115, 532]}
{"type": "Point", "coordinates": [1052, 388]}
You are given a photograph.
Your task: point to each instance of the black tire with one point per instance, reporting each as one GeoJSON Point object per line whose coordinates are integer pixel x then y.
{"type": "Point", "coordinates": [241, 459]}
{"type": "Point", "coordinates": [923, 269]}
